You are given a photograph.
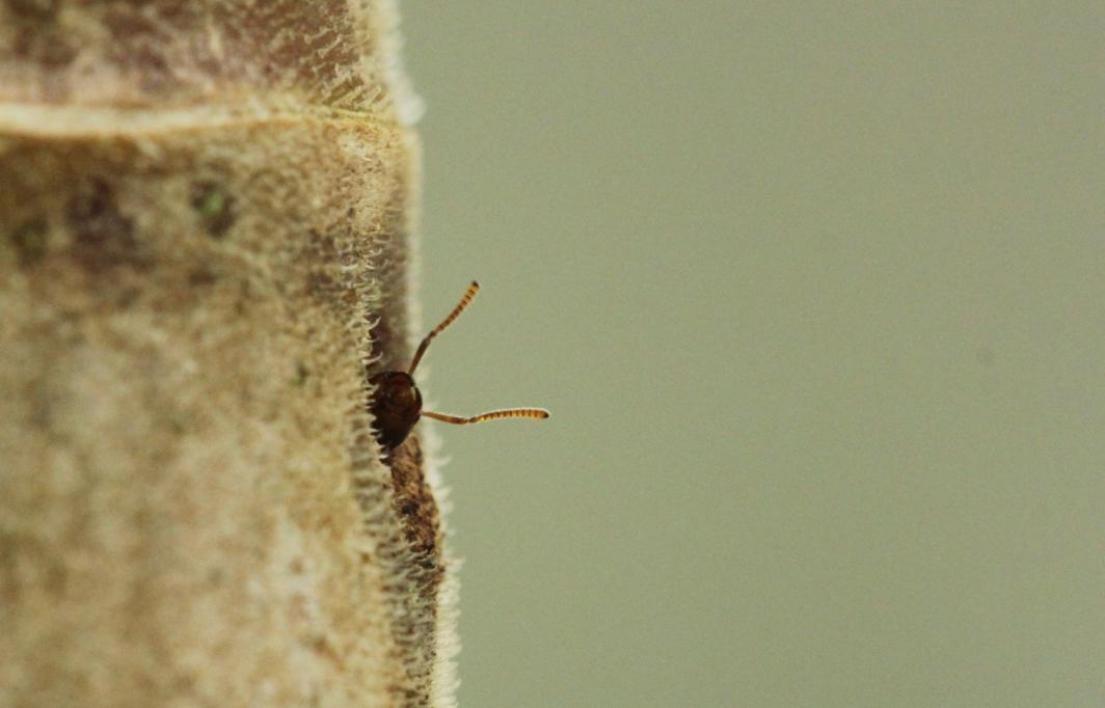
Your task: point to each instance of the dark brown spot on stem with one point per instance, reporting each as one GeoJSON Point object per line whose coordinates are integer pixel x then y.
{"type": "Point", "coordinates": [29, 240]}
{"type": "Point", "coordinates": [33, 9]}
{"type": "Point", "coordinates": [103, 235]}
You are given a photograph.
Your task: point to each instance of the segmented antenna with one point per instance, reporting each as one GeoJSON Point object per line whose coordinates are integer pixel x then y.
{"type": "Point", "coordinates": [535, 413]}
{"type": "Point", "coordinates": [465, 300]}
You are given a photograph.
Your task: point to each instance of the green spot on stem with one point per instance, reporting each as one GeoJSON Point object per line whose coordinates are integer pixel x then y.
{"type": "Point", "coordinates": [214, 206]}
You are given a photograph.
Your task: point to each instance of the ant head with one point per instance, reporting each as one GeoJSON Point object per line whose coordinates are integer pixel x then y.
{"type": "Point", "coordinates": [396, 406]}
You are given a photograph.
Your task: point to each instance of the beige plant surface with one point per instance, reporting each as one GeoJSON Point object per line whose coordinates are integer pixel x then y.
{"type": "Point", "coordinates": [205, 233]}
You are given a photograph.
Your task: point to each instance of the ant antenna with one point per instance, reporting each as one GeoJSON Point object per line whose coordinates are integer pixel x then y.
{"type": "Point", "coordinates": [465, 300]}
{"type": "Point", "coordinates": [536, 413]}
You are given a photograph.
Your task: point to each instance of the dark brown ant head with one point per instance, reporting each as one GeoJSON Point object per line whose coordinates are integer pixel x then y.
{"type": "Point", "coordinates": [396, 406]}
{"type": "Point", "coordinates": [397, 402]}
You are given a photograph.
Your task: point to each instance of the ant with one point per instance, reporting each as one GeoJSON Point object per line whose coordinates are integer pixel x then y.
{"type": "Point", "coordinates": [397, 403]}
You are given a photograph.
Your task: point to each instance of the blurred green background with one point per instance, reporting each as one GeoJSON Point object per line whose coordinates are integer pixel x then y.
{"type": "Point", "coordinates": [816, 295]}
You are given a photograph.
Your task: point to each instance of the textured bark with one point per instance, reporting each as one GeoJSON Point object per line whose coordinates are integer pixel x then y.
{"type": "Point", "coordinates": [205, 217]}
